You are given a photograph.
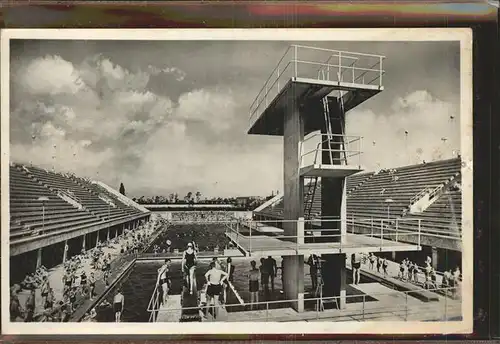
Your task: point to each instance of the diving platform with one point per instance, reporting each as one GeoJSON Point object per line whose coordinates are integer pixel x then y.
{"type": "Point", "coordinates": [261, 245]}
{"type": "Point", "coordinates": [332, 171]}
{"type": "Point", "coordinates": [305, 74]}
{"type": "Point", "coordinates": [170, 311]}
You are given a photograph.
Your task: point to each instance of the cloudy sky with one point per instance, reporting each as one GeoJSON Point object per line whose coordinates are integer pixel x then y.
{"type": "Point", "coordinates": [172, 116]}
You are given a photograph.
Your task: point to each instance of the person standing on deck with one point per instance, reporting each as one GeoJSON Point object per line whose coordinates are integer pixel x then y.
{"type": "Point", "coordinates": [356, 267]}
{"type": "Point", "coordinates": [272, 268]}
{"type": "Point", "coordinates": [312, 261]}
{"type": "Point", "coordinates": [229, 269]}
{"type": "Point", "coordinates": [118, 305]}
{"type": "Point", "coordinates": [214, 277]}
{"type": "Point", "coordinates": [264, 277]}
{"type": "Point", "coordinates": [164, 280]}
{"type": "Point", "coordinates": [253, 284]}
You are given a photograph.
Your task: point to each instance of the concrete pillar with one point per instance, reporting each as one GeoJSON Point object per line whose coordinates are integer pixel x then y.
{"type": "Point", "coordinates": [333, 272]}
{"type": "Point", "coordinates": [83, 241]}
{"type": "Point", "coordinates": [107, 234]}
{"type": "Point", "coordinates": [293, 279]}
{"type": "Point", "coordinates": [393, 256]}
{"type": "Point", "coordinates": [435, 258]}
{"type": "Point", "coordinates": [65, 253]}
{"type": "Point", "coordinates": [293, 196]}
{"type": "Point", "coordinates": [97, 239]}
{"type": "Point", "coordinates": [39, 258]}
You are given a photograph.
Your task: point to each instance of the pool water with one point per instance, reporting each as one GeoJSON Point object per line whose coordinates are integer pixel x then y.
{"type": "Point", "coordinates": [139, 283]}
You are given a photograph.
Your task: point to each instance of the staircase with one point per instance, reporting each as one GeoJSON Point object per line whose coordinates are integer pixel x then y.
{"type": "Point", "coordinates": [426, 197]}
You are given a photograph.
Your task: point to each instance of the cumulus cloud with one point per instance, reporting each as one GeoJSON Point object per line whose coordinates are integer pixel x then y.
{"type": "Point", "coordinates": [50, 75]}
{"type": "Point", "coordinates": [431, 125]}
{"type": "Point", "coordinates": [143, 121]}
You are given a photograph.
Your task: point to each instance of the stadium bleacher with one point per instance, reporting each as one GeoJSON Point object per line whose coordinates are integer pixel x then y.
{"type": "Point", "coordinates": [70, 205]}
{"type": "Point", "coordinates": [367, 194]}
{"type": "Point", "coordinates": [400, 185]}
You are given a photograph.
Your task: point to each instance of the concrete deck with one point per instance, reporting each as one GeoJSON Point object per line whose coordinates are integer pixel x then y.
{"type": "Point", "coordinates": [265, 246]}
{"type": "Point", "coordinates": [171, 310]}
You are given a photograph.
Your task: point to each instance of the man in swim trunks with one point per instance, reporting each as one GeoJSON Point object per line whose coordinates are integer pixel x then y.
{"type": "Point", "coordinates": [356, 267]}
{"type": "Point", "coordinates": [188, 266]}
{"type": "Point", "coordinates": [164, 279]}
{"type": "Point", "coordinates": [118, 303]}
{"type": "Point", "coordinates": [215, 277]}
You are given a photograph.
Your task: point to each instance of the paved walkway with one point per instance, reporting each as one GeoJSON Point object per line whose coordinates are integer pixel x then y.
{"type": "Point", "coordinates": [111, 247]}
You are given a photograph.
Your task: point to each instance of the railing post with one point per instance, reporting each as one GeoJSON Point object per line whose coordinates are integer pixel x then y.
{"type": "Point", "coordinates": [380, 72]}
{"type": "Point", "coordinates": [364, 300]}
{"type": "Point", "coordinates": [267, 311]}
{"type": "Point", "coordinates": [406, 307]}
{"type": "Point", "coordinates": [397, 230]}
{"type": "Point", "coordinates": [295, 59]}
{"type": "Point", "coordinates": [445, 305]}
{"type": "Point", "coordinates": [340, 66]}
{"type": "Point", "coordinates": [419, 228]}
{"type": "Point", "coordinates": [381, 233]}
{"type": "Point", "coordinates": [250, 249]}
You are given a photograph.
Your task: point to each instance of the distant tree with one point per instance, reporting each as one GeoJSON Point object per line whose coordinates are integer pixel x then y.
{"type": "Point", "coordinates": [171, 198]}
{"type": "Point", "coordinates": [176, 197]}
{"type": "Point", "coordinates": [122, 189]}
{"type": "Point", "coordinates": [134, 199]}
{"type": "Point", "coordinates": [189, 196]}
{"type": "Point", "coordinates": [198, 196]}
{"type": "Point", "coordinates": [157, 199]}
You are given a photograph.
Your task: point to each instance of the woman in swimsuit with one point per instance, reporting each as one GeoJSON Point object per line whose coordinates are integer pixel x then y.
{"type": "Point", "coordinates": [189, 265]}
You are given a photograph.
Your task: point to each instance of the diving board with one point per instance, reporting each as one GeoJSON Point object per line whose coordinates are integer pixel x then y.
{"type": "Point", "coordinates": [171, 310]}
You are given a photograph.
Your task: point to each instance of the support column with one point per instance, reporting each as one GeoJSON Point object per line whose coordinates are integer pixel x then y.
{"type": "Point", "coordinates": [333, 271]}
{"type": "Point", "coordinates": [108, 234]}
{"type": "Point", "coordinates": [293, 280]}
{"type": "Point", "coordinates": [39, 258]}
{"type": "Point", "coordinates": [393, 256]}
{"type": "Point", "coordinates": [83, 242]}
{"type": "Point", "coordinates": [97, 239]}
{"type": "Point", "coordinates": [65, 253]}
{"type": "Point", "coordinates": [435, 258]}
{"type": "Point", "coordinates": [293, 199]}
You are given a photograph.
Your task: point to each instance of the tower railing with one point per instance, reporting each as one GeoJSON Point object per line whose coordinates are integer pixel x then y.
{"type": "Point", "coordinates": [261, 235]}
{"type": "Point", "coordinates": [348, 151]}
{"type": "Point", "coordinates": [321, 65]}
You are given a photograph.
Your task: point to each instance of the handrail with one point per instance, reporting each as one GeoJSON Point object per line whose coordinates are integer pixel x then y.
{"type": "Point", "coordinates": [282, 66]}
{"type": "Point", "coordinates": [359, 312]}
{"type": "Point", "coordinates": [337, 51]}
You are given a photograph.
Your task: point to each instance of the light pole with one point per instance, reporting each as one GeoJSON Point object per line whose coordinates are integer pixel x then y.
{"type": "Point", "coordinates": [388, 201]}
{"type": "Point", "coordinates": [43, 199]}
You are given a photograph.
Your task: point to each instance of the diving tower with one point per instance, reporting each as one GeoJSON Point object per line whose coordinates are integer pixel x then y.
{"type": "Point", "coordinates": [305, 100]}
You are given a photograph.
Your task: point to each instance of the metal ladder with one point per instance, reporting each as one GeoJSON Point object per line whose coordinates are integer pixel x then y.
{"type": "Point", "coordinates": [309, 197]}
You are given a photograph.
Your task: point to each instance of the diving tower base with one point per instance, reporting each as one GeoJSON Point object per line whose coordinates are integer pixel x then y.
{"type": "Point", "coordinates": [263, 246]}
